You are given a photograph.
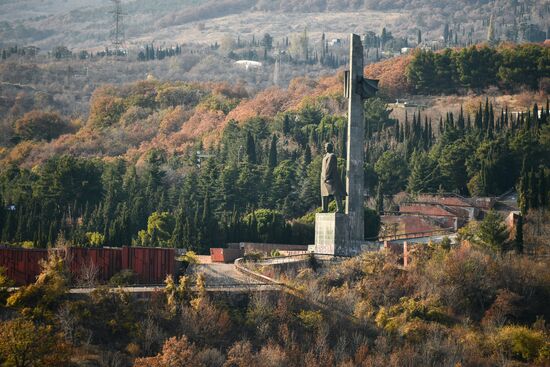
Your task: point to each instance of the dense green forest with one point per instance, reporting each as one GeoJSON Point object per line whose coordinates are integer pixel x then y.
{"type": "Point", "coordinates": [477, 68]}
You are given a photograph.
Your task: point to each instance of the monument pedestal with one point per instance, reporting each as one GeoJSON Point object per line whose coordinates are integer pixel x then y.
{"type": "Point", "coordinates": [338, 233]}
{"type": "Point", "coordinates": [332, 235]}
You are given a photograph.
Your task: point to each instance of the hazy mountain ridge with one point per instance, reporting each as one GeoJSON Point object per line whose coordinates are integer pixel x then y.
{"type": "Point", "coordinates": [87, 24]}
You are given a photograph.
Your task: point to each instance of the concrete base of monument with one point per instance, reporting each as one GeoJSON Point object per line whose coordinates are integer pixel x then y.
{"type": "Point", "coordinates": [332, 235]}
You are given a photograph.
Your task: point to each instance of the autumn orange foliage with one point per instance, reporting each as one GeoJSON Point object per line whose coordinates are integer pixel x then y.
{"type": "Point", "coordinates": [391, 74]}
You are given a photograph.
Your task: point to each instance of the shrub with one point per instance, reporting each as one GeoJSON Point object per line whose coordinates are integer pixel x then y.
{"type": "Point", "coordinates": [105, 110]}
{"type": "Point", "coordinates": [175, 352]}
{"type": "Point", "coordinates": [187, 96]}
{"type": "Point", "coordinates": [95, 239]}
{"type": "Point", "coordinates": [190, 257]}
{"type": "Point", "coordinates": [5, 283]}
{"type": "Point", "coordinates": [123, 278]}
{"type": "Point", "coordinates": [311, 319]}
{"type": "Point", "coordinates": [22, 343]}
{"type": "Point", "coordinates": [268, 225]}
{"type": "Point", "coordinates": [37, 125]}
{"type": "Point", "coordinates": [520, 342]}
{"type": "Point", "coordinates": [219, 103]}
{"type": "Point", "coordinates": [41, 297]}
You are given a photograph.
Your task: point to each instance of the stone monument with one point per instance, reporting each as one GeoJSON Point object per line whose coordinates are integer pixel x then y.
{"type": "Point", "coordinates": [343, 233]}
{"type": "Point", "coordinates": [331, 185]}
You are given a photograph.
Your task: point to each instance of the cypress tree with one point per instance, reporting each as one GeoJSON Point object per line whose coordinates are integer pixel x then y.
{"type": "Point", "coordinates": [479, 118]}
{"type": "Point", "coordinates": [19, 227]}
{"type": "Point", "coordinates": [543, 191]}
{"type": "Point", "coordinates": [178, 236]}
{"type": "Point", "coordinates": [485, 121]}
{"type": "Point", "coordinates": [425, 135]}
{"type": "Point", "coordinates": [7, 230]}
{"type": "Point", "coordinates": [379, 200]}
{"type": "Point", "coordinates": [519, 235]}
{"type": "Point", "coordinates": [273, 152]}
{"type": "Point", "coordinates": [491, 126]}
{"type": "Point", "coordinates": [523, 186]}
{"type": "Point", "coordinates": [253, 228]}
{"type": "Point", "coordinates": [250, 148]}
{"type": "Point", "coordinates": [196, 236]}
{"type": "Point", "coordinates": [307, 155]}
{"type": "Point", "coordinates": [484, 179]}
{"type": "Point", "coordinates": [460, 123]}
{"type": "Point", "coordinates": [533, 190]}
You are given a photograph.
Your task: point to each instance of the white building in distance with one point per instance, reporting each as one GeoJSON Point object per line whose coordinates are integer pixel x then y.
{"type": "Point", "coordinates": [249, 64]}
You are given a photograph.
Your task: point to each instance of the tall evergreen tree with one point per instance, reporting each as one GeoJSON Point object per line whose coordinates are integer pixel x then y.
{"type": "Point", "coordinates": [273, 152]}
{"type": "Point", "coordinates": [518, 241]}
{"type": "Point", "coordinates": [251, 148]}
{"type": "Point", "coordinates": [379, 200]}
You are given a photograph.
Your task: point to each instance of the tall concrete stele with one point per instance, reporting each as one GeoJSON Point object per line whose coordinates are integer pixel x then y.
{"type": "Point", "coordinates": [343, 233]}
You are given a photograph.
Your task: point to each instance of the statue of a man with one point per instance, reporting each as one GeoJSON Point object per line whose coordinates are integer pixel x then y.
{"type": "Point", "coordinates": [331, 185]}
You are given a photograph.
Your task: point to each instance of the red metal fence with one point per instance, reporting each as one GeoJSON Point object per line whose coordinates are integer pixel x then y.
{"type": "Point", "coordinates": [151, 265]}
{"type": "Point", "coordinates": [107, 261]}
{"type": "Point", "coordinates": [22, 265]}
{"type": "Point", "coordinates": [225, 255]}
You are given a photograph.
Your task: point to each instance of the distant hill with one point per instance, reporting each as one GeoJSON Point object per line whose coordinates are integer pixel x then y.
{"type": "Point", "coordinates": [87, 23]}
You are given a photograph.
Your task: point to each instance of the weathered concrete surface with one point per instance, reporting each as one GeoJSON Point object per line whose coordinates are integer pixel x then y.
{"type": "Point", "coordinates": [331, 233]}
{"type": "Point", "coordinates": [356, 144]}
{"type": "Point", "coordinates": [221, 275]}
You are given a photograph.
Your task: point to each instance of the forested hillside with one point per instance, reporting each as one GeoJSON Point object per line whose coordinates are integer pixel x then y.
{"type": "Point", "coordinates": [195, 165]}
{"type": "Point", "coordinates": [473, 69]}
{"type": "Point", "coordinates": [167, 140]}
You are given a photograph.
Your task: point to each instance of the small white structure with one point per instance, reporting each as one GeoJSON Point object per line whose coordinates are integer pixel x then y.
{"type": "Point", "coordinates": [249, 64]}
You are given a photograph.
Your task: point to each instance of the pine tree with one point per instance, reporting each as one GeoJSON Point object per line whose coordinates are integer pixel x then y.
{"type": "Point", "coordinates": [492, 232]}
{"type": "Point", "coordinates": [424, 176]}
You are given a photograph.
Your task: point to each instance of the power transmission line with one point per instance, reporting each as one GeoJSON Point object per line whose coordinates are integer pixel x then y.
{"type": "Point", "coordinates": [117, 32]}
